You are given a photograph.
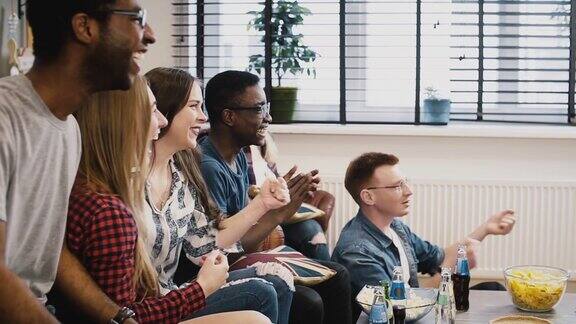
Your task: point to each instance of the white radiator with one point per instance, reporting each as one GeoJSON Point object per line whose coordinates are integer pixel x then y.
{"type": "Point", "coordinates": [444, 211]}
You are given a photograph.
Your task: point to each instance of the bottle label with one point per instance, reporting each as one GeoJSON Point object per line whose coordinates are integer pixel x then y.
{"type": "Point", "coordinates": [398, 291]}
{"type": "Point", "coordinates": [462, 267]}
{"type": "Point", "coordinates": [378, 314]}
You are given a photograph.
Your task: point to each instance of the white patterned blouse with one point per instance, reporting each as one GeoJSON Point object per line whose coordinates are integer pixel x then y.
{"type": "Point", "coordinates": [180, 225]}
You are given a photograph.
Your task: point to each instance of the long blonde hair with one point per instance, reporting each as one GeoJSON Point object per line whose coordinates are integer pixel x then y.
{"type": "Point", "coordinates": [115, 127]}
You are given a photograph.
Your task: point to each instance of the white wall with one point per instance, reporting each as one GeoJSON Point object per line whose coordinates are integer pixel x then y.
{"type": "Point", "coordinates": [160, 19]}
{"type": "Point", "coordinates": [426, 157]}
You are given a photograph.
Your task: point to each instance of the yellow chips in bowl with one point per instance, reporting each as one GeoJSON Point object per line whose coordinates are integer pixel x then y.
{"type": "Point", "coordinates": [536, 289]}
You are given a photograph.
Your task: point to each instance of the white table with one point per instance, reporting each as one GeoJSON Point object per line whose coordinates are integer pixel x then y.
{"type": "Point", "coordinates": [488, 305]}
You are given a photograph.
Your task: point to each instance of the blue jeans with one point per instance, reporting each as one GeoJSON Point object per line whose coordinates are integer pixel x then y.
{"type": "Point", "coordinates": [272, 298]}
{"type": "Point", "coordinates": [299, 235]}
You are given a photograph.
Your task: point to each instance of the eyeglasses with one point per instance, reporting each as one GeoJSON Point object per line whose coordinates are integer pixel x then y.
{"type": "Point", "coordinates": [140, 15]}
{"type": "Point", "coordinates": [403, 184]}
{"type": "Point", "coordinates": [263, 110]}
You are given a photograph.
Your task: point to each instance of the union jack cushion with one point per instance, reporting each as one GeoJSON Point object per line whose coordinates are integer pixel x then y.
{"type": "Point", "coordinates": [306, 271]}
{"type": "Point", "coordinates": [305, 212]}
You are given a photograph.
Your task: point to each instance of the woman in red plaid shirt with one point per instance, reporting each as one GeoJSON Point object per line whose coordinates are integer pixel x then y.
{"type": "Point", "coordinates": [104, 218]}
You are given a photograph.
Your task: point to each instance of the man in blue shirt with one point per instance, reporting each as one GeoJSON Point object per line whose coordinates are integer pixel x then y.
{"type": "Point", "coordinates": [375, 241]}
{"type": "Point", "coordinates": [228, 182]}
{"type": "Point", "coordinates": [239, 116]}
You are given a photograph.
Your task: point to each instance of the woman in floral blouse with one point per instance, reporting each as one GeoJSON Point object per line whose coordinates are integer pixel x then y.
{"type": "Point", "coordinates": [183, 217]}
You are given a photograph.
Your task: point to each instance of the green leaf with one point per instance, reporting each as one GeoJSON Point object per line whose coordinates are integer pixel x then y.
{"type": "Point", "coordinates": [289, 53]}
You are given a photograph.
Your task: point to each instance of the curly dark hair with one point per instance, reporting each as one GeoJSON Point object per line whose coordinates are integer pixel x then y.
{"type": "Point", "coordinates": [223, 90]}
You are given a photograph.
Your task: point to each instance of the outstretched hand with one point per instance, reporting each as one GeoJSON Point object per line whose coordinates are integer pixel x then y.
{"type": "Point", "coordinates": [500, 223]}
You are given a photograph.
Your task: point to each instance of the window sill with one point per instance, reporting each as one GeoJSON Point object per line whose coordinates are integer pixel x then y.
{"type": "Point", "coordinates": [455, 129]}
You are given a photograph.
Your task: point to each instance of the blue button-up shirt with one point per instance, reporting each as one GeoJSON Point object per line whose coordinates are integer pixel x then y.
{"type": "Point", "coordinates": [370, 256]}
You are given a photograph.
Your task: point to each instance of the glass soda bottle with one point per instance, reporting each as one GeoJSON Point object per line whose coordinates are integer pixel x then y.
{"type": "Point", "coordinates": [461, 280]}
{"type": "Point", "coordinates": [445, 308]}
{"type": "Point", "coordinates": [398, 287]}
{"type": "Point", "coordinates": [378, 313]}
{"type": "Point", "coordinates": [398, 295]}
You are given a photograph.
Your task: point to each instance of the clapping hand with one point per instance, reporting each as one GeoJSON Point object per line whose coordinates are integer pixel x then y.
{"type": "Point", "coordinates": [301, 185]}
{"type": "Point", "coordinates": [274, 193]}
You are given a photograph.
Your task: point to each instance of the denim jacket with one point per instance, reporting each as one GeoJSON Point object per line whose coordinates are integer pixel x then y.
{"type": "Point", "coordinates": [370, 256]}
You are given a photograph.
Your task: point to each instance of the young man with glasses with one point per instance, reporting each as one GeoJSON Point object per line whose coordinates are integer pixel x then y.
{"type": "Point", "coordinates": [239, 117]}
{"type": "Point", "coordinates": [80, 47]}
{"type": "Point", "coordinates": [375, 241]}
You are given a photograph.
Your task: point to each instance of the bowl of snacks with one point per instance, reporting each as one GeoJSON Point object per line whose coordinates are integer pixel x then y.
{"type": "Point", "coordinates": [535, 288]}
{"type": "Point", "coordinates": [419, 303]}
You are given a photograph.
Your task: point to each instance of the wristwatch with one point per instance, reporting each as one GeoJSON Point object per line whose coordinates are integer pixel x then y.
{"type": "Point", "coordinates": [123, 314]}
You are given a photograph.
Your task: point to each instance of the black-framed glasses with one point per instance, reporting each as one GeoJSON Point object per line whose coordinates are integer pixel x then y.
{"type": "Point", "coordinates": [263, 110]}
{"type": "Point", "coordinates": [141, 15]}
{"type": "Point", "coordinates": [403, 184]}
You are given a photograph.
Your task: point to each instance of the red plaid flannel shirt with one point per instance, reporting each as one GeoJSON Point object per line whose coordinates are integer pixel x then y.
{"type": "Point", "coordinates": [102, 233]}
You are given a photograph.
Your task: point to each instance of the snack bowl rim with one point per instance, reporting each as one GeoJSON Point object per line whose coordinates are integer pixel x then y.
{"type": "Point", "coordinates": [508, 274]}
{"type": "Point", "coordinates": [429, 305]}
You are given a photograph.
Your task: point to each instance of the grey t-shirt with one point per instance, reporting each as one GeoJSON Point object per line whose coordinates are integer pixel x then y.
{"type": "Point", "coordinates": [39, 157]}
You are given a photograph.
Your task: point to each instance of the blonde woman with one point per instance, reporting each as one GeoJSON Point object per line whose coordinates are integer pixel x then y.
{"type": "Point", "coordinates": [105, 213]}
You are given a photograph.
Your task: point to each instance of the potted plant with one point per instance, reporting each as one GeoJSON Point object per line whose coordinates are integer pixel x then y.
{"type": "Point", "coordinates": [289, 55]}
{"type": "Point", "coordinates": [436, 110]}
